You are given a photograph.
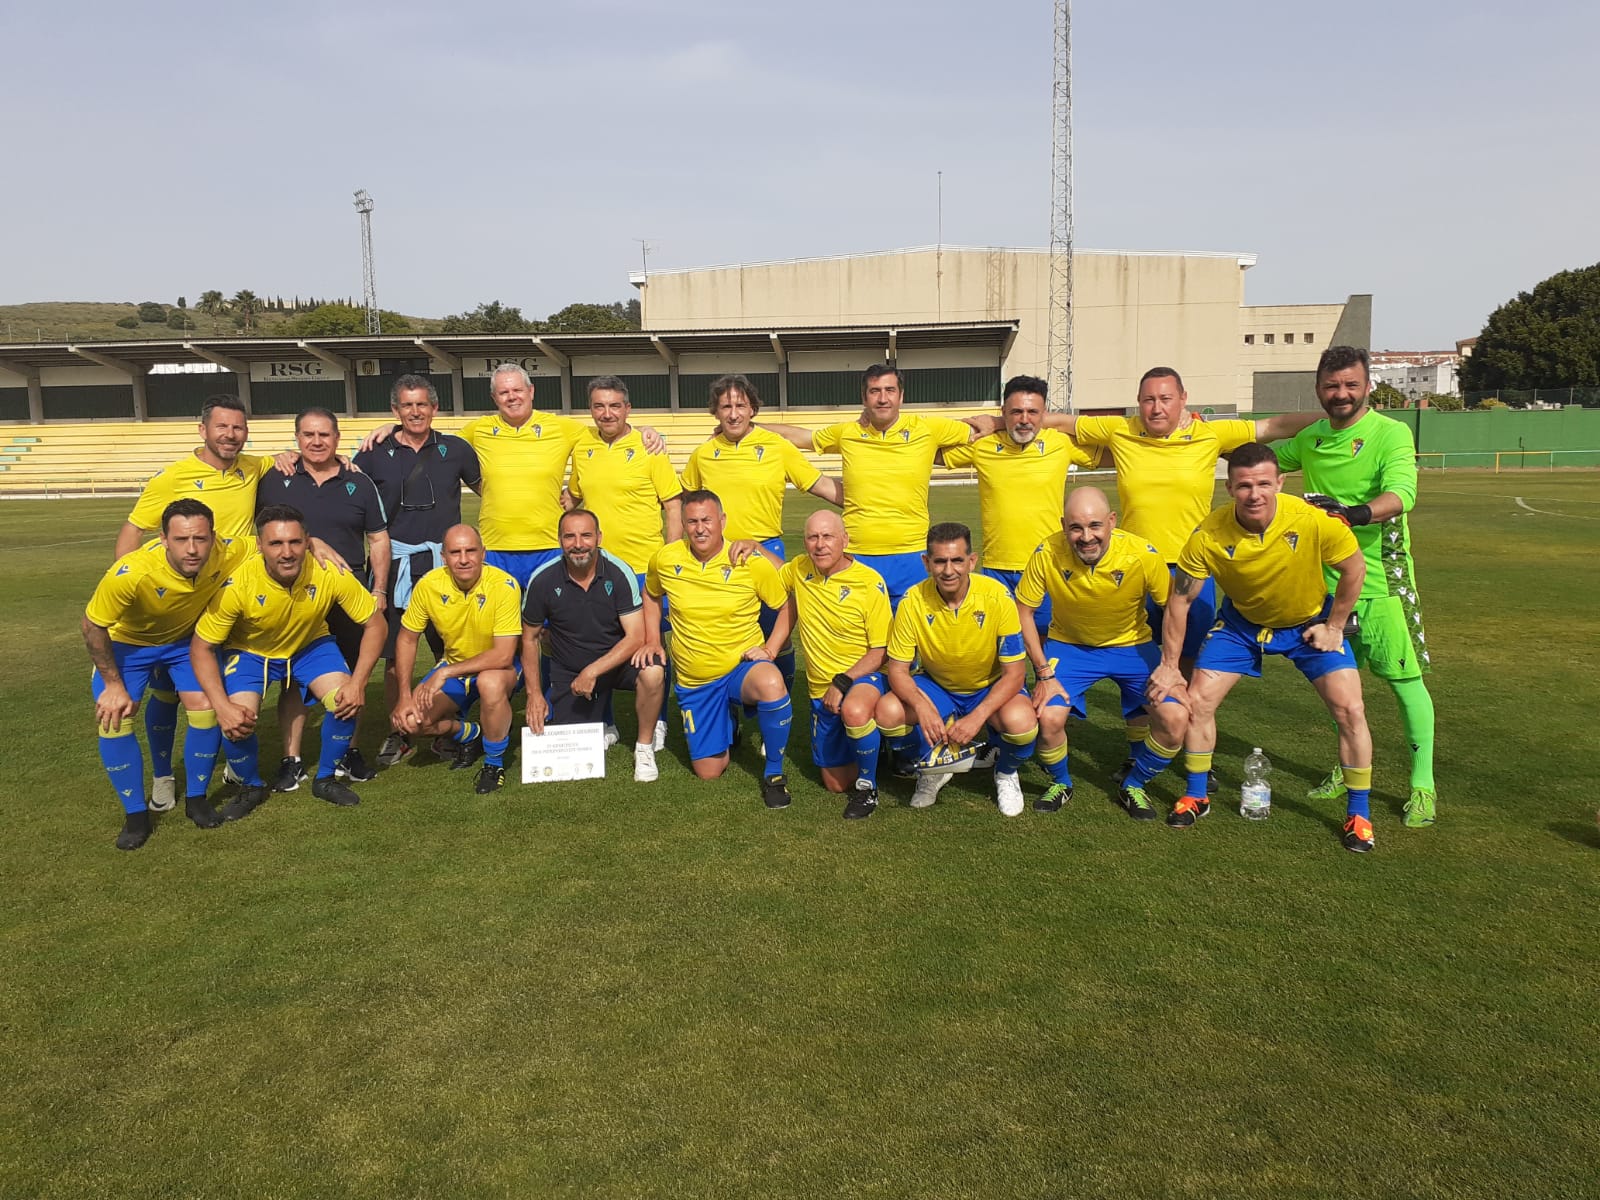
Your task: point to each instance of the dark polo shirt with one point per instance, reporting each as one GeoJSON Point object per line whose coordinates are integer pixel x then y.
{"type": "Point", "coordinates": [341, 511]}
{"type": "Point", "coordinates": [421, 511]}
{"type": "Point", "coordinates": [583, 623]}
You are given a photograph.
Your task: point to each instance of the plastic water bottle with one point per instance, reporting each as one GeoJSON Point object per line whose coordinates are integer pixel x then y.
{"type": "Point", "coordinates": [1255, 799]}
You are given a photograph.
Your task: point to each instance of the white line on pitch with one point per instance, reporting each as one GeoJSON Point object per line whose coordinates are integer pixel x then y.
{"type": "Point", "coordinates": [1546, 512]}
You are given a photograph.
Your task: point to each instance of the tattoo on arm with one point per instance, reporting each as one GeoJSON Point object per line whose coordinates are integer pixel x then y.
{"type": "Point", "coordinates": [1186, 584]}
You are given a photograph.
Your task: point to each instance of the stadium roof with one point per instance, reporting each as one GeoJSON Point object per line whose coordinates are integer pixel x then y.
{"type": "Point", "coordinates": [140, 356]}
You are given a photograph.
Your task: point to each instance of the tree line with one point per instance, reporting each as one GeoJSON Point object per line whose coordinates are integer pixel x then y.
{"type": "Point", "coordinates": [335, 318]}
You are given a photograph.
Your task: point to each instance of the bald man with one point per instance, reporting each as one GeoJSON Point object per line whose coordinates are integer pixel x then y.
{"type": "Point", "coordinates": [477, 610]}
{"type": "Point", "coordinates": [840, 610]}
{"type": "Point", "coordinates": [1098, 580]}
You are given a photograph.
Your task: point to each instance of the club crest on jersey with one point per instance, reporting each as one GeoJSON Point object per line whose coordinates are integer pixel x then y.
{"type": "Point", "coordinates": [1293, 539]}
{"type": "Point", "coordinates": [444, 451]}
{"type": "Point", "coordinates": [311, 591]}
{"type": "Point", "coordinates": [905, 435]}
{"type": "Point", "coordinates": [1117, 577]}
{"type": "Point", "coordinates": [1319, 443]}
{"type": "Point", "coordinates": [844, 590]}
{"type": "Point", "coordinates": [350, 489]}
{"type": "Point", "coordinates": [980, 616]}
{"type": "Point", "coordinates": [1355, 446]}
{"type": "Point", "coordinates": [608, 587]}
{"type": "Point", "coordinates": [538, 430]}
{"type": "Point", "coordinates": [760, 450]}
{"type": "Point", "coordinates": [482, 600]}
{"type": "Point", "coordinates": [727, 573]}
{"type": "Point", "coordinates": [1041, 445]}
{"type": "Point", "coordinates": [629, 457]}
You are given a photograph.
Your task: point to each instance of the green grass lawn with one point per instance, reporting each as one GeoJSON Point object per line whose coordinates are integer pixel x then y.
{"type": "Point", "coordinates": [615, 989]}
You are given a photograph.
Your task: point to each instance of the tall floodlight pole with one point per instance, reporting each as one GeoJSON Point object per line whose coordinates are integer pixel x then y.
{"type": "Point", "coordinates": [1059, 353]}
{"type": "Point", "coordinates": [369, 287]}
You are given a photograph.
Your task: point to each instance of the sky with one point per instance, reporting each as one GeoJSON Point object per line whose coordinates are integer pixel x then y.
{"type": "Point", "coordinates": [1441, 156]}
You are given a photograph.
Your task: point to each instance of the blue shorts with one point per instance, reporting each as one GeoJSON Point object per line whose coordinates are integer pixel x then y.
{"type": "Point", "coordinates": [830, 744]}
{"type": "Point", "coordinates": [1041, 615]}
{"type": "Point", "coordinates": [463, 689]}
{"type": "Point", "coordinates": [143, 667]}
{"type": "Point", "coordinates": [1236, 646]}
{"type": "Point", "coordinates": [520, 564]}
{"type": "Point", "coordinates": [769, 616]}
{"type": "Point", "coordinates": [243, 671]}
{"type": "Point", "coordinates": [1078, 668]}
{"type": "Point", "coordinates": [707, 719]}
{"type": "Point", "coordinates": [666, 625]}
{"type": "Point", "coordinates": [950, 704]}
{"type": "Point", "coordinates": [1202, 615]}
{"type": "Point", "coordinates": [901, 572]}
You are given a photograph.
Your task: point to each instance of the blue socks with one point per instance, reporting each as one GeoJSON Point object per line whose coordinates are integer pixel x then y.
{"type": "Point", "coordinates": [494, 750]}
{"type": "Point", "coordinates": [775, 717]}
{"type": "Point", "coordinates": [1149, 760]}
{"type": "Point", "coordinates": [124, 763]}
{"type": "Point", "coordinates": [1013, 754]}
{"type": "Point", "coordinates": [336, 735]}
{"type": "Point", "coordinates": [245, 759]}
{"type": "Point", "coordinates": [200, 746]}
{"type": "Point", "coordinates": [161, 730]}
{"type": "Point", "coordinates": [865, 741]}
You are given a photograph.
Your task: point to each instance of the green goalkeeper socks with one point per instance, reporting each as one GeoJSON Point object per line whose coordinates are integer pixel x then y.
{"type": "Point", "coordinates": [1416, 714]}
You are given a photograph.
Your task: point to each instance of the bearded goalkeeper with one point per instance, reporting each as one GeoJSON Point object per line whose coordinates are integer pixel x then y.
{"type": "Point", "coordinates": [1362, 465]}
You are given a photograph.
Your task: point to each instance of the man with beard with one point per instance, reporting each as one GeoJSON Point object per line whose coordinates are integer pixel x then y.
{"type": "Point", "coordinates": [1099, 579]}
{"type": "Point", "coordinates": [139, 622]}
{"type": "Point", "coordinates": [1362, 465]}
{"type": "Point", "coordinates": [271, 614]}
{"type": "Point", "coordinates": [474, 606]}
{"type": "Point", "coordinates": [1267, 552]}
{"type": "Point", "coordinates": [587, 607]}
{"type": "Point", "coordinates": [963, 629]}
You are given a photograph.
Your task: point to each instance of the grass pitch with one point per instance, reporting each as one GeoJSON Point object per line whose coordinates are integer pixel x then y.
{"type": "Point", "coordinates": [668, 990]}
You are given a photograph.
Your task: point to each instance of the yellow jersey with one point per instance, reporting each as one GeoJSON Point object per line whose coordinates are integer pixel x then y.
{"type": "Point", "coordinates": [841, 616]}
{"type": "Point", "coordinates": [716, 608]}
{"type": "Point", "coordinates": [886, 478]}
{"type": "Point", "coordinates": [962, 648]}
{"type": "Point", "coordinates": [1021, 490]}
{"type": "Point", "coordinates": [230, 494]}
{"type": "Point", "coordinates": [1165, 484]}
{"type": "Point", "coordinates": [625, 488]}
{"type": "Point", "coordinates": [748, 476]}
{"type": "Point", "coordinates": [468, 621]}
{"type": "Point", "coordinates": [522, 470]}
{"type": "Point", "coordinates": [1274, 578]}
{"type": "Point", "coordinates": [142, 601]}
{"type": "Point", "coordinates": [1102, 605]}
{"type": "Point", "coordinates": [252, 611]}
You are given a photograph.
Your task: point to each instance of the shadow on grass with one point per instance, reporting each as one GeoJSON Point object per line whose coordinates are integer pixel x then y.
{"type": "Point", "coordinates": [1579, 832]}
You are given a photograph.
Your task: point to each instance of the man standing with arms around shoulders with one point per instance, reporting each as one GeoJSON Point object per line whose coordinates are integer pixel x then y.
{"type": "Point", "coordinates": [475, 608]}
{"type": "Point", "coordinates": [272, 617]}
{"type": "Point", "coordinates": [342, 507]}
{"type": "Point", "coordinates": [1362, 465]}
{"type": "Point", "coordinates": [1098, 579]}
{"type": "Point", "coordinates": [964, 629]}
{"type": "Point", "coordinates": [840, 610]}
{"type": "Point", "coordinates": [138, 622]}
{"type": "Point", "coordinates": [887, 460]}
{"type": "Point", "coordinates": [1019, 466]}
{"type": "Point", "coordinates": [588, 607]}
{"type": "Point", "coordinates": [1268, 551]}
{"type": "Point", "coordinates": [419, 473]}
{"type": "Point", "coordinates": [719, 656]}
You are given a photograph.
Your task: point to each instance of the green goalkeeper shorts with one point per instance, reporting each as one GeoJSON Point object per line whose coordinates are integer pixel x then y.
{"type": "Point", "coordinates": [1388, 643]}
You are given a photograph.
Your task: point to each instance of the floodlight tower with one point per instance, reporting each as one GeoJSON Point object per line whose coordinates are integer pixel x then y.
{"type": "Point", "coordinates": [369, 288]}
{"type": "Point", "coordinates": [1059, 352]}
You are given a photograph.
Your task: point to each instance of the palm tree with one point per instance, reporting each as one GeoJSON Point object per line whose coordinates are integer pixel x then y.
{"type": "Point", "coordinates": [214, 304]}
{"type": "Point", "coordinates": [246, 304]}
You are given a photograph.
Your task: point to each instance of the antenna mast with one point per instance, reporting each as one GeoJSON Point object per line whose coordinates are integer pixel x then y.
{"type": "Point", "coordinates": [1059, 353]}
{"type": "Point", "coordinates": [369, 288]}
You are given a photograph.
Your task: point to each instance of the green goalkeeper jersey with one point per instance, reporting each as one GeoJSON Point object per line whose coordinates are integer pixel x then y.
{"type": "Point", "coordinates": [1355, 465]}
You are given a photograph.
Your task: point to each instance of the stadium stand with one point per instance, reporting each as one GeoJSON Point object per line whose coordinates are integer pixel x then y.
{"type": "Point", "coordinates": [117, 457]}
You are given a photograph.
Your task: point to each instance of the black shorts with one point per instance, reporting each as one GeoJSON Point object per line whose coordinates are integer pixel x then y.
{"type": "Point", "coordinates": [567, 709]}
{"type": "Point", "coordinates": [421, 564]}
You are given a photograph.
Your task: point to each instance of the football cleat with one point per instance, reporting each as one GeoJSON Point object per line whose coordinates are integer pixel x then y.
{"type": "Point", "coordinates": [1419, 809]}
{"type": "Point", "coordinates": [396, 749]}
{"type": "Point", "coordinates": [1357, 834]}
{"type": "Point", "coordinates": [330, 789]}
{"type": "Point", "coordinates": [775, 791]}
{"type": "Point", "coordinates": [291, 773]}
{"type": "Point", "coordinates": [1187, 811]}
{"type": "Point", "coordinates": [250, 798]}
{"type": "Point", "coordinates": [1008, 793]}
{"type": "Point", "coordinates": [163, 793]}
{"type": "Point", "coordinates": [927, 790]}
{"type": "Point", "coordinates": [863, 802]}
{"type": "Point", "coordinates": [467, 754]}
{"type": "Point", "coordinates": [490, 778]}
{"type": "Point", "coordinates": [353, 766]}
{"type": "Point", "coordinates": [1137, 804]}
{"type": "Point", "coordinates": [135, 830]}
{"type": "Point", "coordinates": [1331, 788]}
{"type": "Point", "coordinates": [1054, 797]}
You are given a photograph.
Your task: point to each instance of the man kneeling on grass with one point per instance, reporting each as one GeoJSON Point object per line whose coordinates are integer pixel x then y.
{"type": "Point", "coordinates": [476, 609]}
{"type": "Point", "coordinates": [1267, 552]}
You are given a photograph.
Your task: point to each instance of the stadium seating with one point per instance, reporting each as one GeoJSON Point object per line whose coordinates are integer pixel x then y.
{"type": "Point", "coordinates": [117, 457]}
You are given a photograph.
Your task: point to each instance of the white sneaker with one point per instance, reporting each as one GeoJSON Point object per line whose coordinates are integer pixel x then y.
{"type": "Point", "coordinates": [613, 736]}
{"type": "Point", "coordinates": [985, 759]}
{"type": "Point", "coordinates": [229, 775]}
{"type": "Point", "coordinates": [644, 764]}
{"type": "Point", "coordinates": [928, 788]}
{"type": "Point", "coordinates": [1008, 791]}
{"type": "Point", "coordinates": [660, 741]}
{"type": "Point", "coordinates": [163, 793]}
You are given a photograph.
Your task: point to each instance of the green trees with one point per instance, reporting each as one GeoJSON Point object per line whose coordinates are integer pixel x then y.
{"type": "Point", "coordinates": [495, 317]}
{"type": "Point", "coordinates": [1546, 338]}
{"type": "Point", "coordinates": [492, 317]}
{"type": "Point", "coordinates": [245, 306]}
{"type": "Point", "coordinates": [345, 320]}
{"type": "Point", "coordinates": [152, 313]}
{"type": "Point", "coordinates": [1386, 395]}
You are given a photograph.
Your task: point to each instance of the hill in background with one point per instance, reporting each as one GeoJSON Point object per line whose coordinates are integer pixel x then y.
{"type": "Point", "coordinates": [92, 321]}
